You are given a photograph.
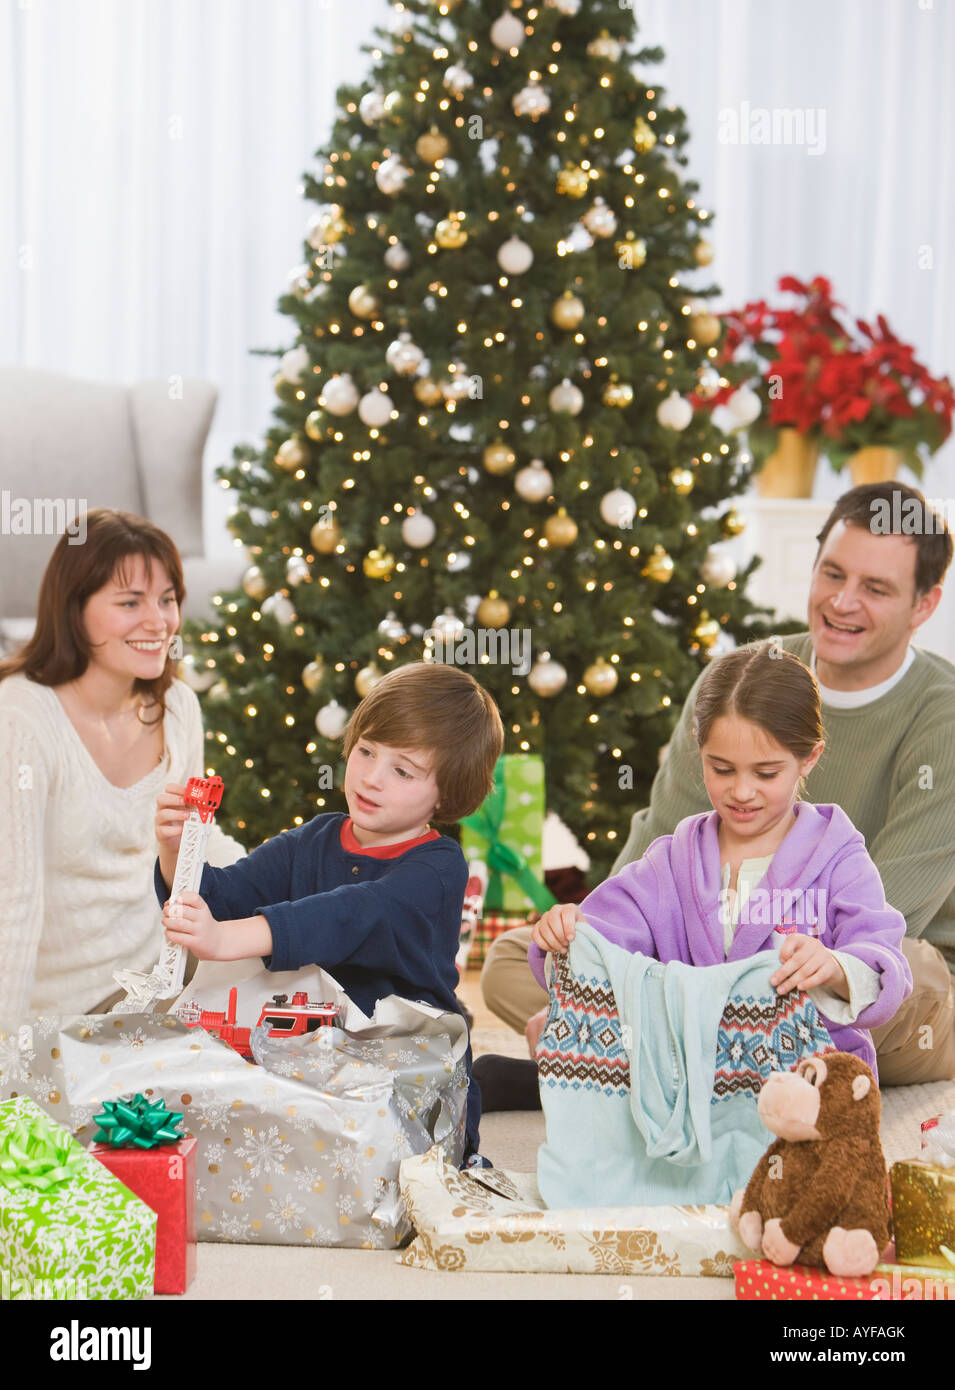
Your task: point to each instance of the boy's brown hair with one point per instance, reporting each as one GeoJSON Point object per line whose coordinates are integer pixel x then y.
{"type": "Point", "coordinates": [770, 687]}
{"type": "Point", "coordinates": [442, 710]}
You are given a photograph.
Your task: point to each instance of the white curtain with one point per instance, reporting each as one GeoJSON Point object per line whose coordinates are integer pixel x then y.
{"type": "Point", "coordinates": [151, 154]}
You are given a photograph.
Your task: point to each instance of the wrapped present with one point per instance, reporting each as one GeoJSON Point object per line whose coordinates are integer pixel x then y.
{"type": "Point", "coordinates": [474, 892]}
{"type": "Point", "coordinates": [761, 1279]}
{"type": "Point", "coordinates": [140, 1143]}
{"type": "Point", "coordinates": [507, 833]}
{"type": "Point", "coordinates": [68, 1228]}
{"type": "Point", "coordinates": [489, 927]}
{"type": "Point", "coordinates": [278, 1161]}
{"type": "Point", "coordinates": [493, 1220]}
{"type": "Point", "coordinates": [923, 1213]}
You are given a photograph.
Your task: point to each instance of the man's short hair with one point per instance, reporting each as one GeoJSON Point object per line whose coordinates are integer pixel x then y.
{"type": "Point", "coordinates": [873, 505]}
{"type": "Point", "coordinates": [441, 710]}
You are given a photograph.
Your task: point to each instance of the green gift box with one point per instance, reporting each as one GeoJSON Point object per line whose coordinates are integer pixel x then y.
{"type": "Point", "coordinates": [507, 832]}
{"type": "Point", "coordinates": [68, 1228]}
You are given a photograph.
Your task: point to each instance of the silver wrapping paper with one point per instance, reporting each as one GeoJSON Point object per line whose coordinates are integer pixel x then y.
{"type": "Point", "coordinates": [302, 1150]}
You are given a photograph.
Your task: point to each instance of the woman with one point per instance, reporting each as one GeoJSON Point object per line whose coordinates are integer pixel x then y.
{"type": "Point", "coordinates": [93, 726]}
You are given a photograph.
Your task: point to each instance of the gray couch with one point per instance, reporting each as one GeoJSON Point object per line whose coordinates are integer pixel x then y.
{"type": "Point", "coordinates": [68, 445]}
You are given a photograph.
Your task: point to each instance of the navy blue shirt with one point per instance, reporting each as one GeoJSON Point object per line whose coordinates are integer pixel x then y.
{"type": "Point", "coordinates": [381, 922]}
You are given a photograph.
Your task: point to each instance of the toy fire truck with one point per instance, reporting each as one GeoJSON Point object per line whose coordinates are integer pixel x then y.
{"type": "Point", "coordinates": [283, 1019]}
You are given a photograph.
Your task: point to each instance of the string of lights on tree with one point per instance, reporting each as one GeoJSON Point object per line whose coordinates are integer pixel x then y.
{"type": "Point", "coordinates": [487, 421]}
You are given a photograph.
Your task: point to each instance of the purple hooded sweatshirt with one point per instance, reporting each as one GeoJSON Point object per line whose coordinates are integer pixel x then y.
{"type": "Point", "coordinates": [667, 905]}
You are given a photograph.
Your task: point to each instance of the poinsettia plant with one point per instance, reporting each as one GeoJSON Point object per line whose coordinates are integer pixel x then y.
{"type": "Point", "coordinates": [843, 383]}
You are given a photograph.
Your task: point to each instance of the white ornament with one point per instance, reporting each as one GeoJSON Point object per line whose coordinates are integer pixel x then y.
{"type": "Point", "coordinates": [457, 386]}
{"type": "Point", "coordinates": [418, 530]}
{"type": "Point", "coordinates": [744, 406]}
{"type": "Point", "coordinates": [391, 628]}
{"type": "Point", "coordinates": [317, 226]}
{"type": "Point", "coordinates": [534, 483]}
{"type": "Point", "coordinates": [618, 508]}
{"type": "Point", "coordinates": [296, 570]}
{"type": "Point", "coordinates": [458, 79]}
{"type": "Point", "coordinates": [300, 281]}
{"type": "Point", "coordinates": [447, 626]}
{"type": "Point", "coordinates": [196, 677]}
{"type": "Point", "coordinates": [374, 408]}
{"type": "Point", "coordinates": [547, 677]}
{"type": "Point", "coordinates": [566, 398]}
{"type": "Point", "coordinates": [718, 568]}
{"type": "Point", "coordinates": [280, 608]}
{"type": "Point", "coordinates": [600, 220]}
{"type": "Point", "coordinates": [532, 101]}
{"type": "Point", "coordinates": [604, 47]}
{"type": "Point", "coordinates": [391, 174]}
{"type": "Point", "coordinates": [515, 256]}
{"type": "Point", "coordinates": [294, 363]}
{"type": "Point", "coordinates": [507, 32]}
{"type": "Point", "coordinates": [331, 720]}
{"type": "Point", "coordinates": [404, 356]}
{"type": "Point", "coordinates": [397, 257]}
{"type": "Point", "coordinates": [371, 108]}
{"type": "Point", "coordinates": [340, 395]}
{"type": "Point", "coordinates": [675, 412]}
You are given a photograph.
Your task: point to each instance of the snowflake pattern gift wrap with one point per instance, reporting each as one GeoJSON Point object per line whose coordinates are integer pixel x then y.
{"type": "Point", "coordinates": [68, 1228]}
{"type": "Point", "coordinates": [279, 1161]}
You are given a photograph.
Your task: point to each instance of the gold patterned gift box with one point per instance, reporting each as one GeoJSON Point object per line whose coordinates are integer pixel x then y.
{"type": "Point", "coordinates": [923, 1213]}
{"type": "Point", "coordinates": [492, 1220]}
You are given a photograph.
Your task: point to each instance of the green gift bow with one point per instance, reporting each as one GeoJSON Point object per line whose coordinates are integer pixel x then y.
{"type": "Point", "coordinates": [38, 1154]}
{"type": "Point", "coordinates": [137, 1123]}
{"type": "Point", "coordinates": [501, 858]}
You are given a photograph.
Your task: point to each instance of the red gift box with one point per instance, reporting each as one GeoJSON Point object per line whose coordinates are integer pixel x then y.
{"type": "Point", "coordinates": [165, 1179]}
{"type": "Point", "coordinates": [761, 1279]}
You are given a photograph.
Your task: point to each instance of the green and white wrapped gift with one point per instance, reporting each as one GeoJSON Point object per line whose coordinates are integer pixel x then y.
{"type": "Point", "coordinates": [507, 833]}
{"type": "Point", "coordinates": [68, 1228]}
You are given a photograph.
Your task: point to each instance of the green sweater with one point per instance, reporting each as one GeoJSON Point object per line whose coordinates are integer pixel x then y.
{"type": "Point", "coordinates": [890, 765]}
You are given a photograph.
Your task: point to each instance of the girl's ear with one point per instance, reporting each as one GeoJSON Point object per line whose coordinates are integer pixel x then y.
{"type": "Point", "coordinates": [813, 758]}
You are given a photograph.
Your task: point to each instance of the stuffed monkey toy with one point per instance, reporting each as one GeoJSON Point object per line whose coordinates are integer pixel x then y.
{"type": "Point", "coordinates": [819, 1192]}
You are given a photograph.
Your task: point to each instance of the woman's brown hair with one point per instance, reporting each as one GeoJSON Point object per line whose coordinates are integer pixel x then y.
{"type": "Point", "coordinates": [768, 686]}
{"type": "Point", "coordinates": [59, 650]}
{"type": "Point", "coordinates": [443, 710]}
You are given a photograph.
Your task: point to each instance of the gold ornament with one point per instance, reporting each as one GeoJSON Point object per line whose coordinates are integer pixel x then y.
{"type": "Point", "coordinates": [493, 611]}
{"type": "Point", "coordinates": [367, 677]}
{"type": "Point", "coordinates": [560, 530]}
{"type": "Point", "coordinates": [659, 566]}
{"type": "Point", "coordinates": [682, 480]}
{"type": "Point", "coordinates": [600, 678]}
{"type": "Point", "coordinates": [631, 251]}
{"type": "Point", "coordinates": [333, 226]}
{"type": "Point", "coordinates": [291, 455]}
{"type": "Point", "coordinates": [707, 630]}
{"type": "Point", "coordinates": [573, 181]}
{"type": "Point", "coordinates": [254, 583]}
{"type": "Point", "coordinates": [567, 311]}
{"type": "Point", "coordinates": [499, 458]}
{"type": "Point", "coordinates": [703, 252]}
{"type": "Point", "coordinates": [732, 523]}
{"type": "Point", "coordinates": [315, 424]}
{"type": "Point", "coordinates": [705, 328]}
{"type": "Point", "coordinates": [643, 136]}
{"type": "Point", "coordinates": [378, 563]}
{"type": "Point", "coordinates": [312, 675]}
{"type": "Point", "coordinates": [325, 536]}
{"type": "Point", "coordinates": [431, 146]}
{"type": "Point", "coordinates": [363, 304]}
{"type": "Point", "coordinates": [428, 392]}
{"type": "Point", "coordinates": [618, 394]}
{"type": "Point", "coordinates": [450, 233]}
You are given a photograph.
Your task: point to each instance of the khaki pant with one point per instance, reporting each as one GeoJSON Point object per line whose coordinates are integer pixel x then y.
{"type": "Point", "coordinates": [918, 1044]}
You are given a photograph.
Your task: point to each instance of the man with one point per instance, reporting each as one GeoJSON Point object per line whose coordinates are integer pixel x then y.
{"type": "Point", "coordinates": [889, 715]}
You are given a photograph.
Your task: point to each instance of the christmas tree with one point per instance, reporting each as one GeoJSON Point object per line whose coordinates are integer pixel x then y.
{"type": "Point", "coordinates": [488, 446]}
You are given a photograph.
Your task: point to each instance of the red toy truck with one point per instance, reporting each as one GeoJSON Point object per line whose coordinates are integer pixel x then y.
{"type": "Point", "coordinates": [284, 1019]}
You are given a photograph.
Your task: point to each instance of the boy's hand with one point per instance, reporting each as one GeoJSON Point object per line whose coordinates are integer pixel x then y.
{"type": "Point", "coordinates": [171, 811]}
{"type": "Point", "coordinates": [806, 964]}
{"type": "Point", "coordinates": [554, 931]}
{"type": "Point", "coordinates": [193, 926]}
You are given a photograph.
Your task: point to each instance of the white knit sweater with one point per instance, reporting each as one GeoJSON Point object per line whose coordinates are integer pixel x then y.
{"type": "Point", "coordinates": [77, 853]}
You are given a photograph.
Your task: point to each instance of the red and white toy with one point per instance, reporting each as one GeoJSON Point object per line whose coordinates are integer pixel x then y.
{"type": "Point", "coordinates": [284, 1019]}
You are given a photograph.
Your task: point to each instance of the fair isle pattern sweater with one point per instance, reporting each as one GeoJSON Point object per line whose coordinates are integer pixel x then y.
{"type": "Point", "coordinates": [77, 853]}
{"type": "Point", "coordinates": [889, 764]}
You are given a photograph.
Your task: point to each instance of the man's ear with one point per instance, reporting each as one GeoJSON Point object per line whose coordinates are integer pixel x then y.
{"type": "Point", "coordinates": [925, 605]}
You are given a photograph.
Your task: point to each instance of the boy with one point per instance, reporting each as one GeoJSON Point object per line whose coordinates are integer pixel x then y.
{"type": "Point", "coordinates": [374, 897]}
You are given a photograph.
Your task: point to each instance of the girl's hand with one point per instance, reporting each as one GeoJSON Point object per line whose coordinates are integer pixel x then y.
{"type": "Point", "coordinates": [555, 930]}
{"type": "Point", "coordinates": [171, 811]}
{"type": "Point", "coordinates": [806, 964]}
{"type": "Point", "coordinates": [193, 926]}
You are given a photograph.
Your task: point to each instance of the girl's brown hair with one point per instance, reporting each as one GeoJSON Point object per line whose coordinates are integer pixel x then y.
{"type": "Point", "coordinates": [59, 650]}
{"type": "Point", "coordinates": [444, 711]}
{"type": "Point", "coordinates": [768, 686]}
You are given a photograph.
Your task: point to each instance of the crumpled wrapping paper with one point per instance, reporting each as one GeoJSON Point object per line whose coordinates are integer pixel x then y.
{"type": "Point", "coordinates": [302, 1150]}
{"type": "Point", "coordinates": [492, 1220]}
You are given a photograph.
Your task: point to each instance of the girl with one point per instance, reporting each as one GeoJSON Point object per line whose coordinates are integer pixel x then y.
{"type": "Point", "coordinates": [718, 887]}
{"type": "Point", "coordinates": [93, 724]}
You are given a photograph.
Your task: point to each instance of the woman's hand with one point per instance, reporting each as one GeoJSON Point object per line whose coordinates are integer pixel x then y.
{"type": "Point", "coordinates": [555, 930]}
{"type": "Point", "coordinates": [189, 923]}
{"type": "Point", "coordinates": [171, 811]}
{"type": "Point", "coordinates": [806, 964]}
